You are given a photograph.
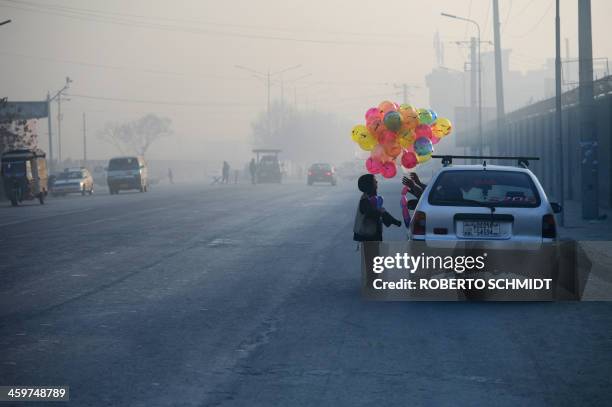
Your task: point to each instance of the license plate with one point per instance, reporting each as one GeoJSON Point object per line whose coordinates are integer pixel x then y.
{"type": "Point", "coordinates": [482, 229]}
{"type": "Point", "coordinates": [124, 185]}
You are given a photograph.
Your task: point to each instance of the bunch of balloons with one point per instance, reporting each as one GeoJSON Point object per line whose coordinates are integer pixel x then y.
{"type": "Point", "coordinates": [399, 132]}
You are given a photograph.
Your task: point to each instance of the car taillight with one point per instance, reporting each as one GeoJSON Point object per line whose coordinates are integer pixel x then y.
{"type": "Point", "coordinates": [418, 223]}
{"type": "Point", "coordinates": [549, 228]}
{"type": "Point", "coordinates": [328, 173]}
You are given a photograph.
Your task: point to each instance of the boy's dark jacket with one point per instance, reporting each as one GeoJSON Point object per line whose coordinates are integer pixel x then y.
{"type": "Point", "coordinates": [372, 214]}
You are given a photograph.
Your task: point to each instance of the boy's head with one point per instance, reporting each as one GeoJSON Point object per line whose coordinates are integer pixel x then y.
{"type": "Point", "coordinates": [367, 184]}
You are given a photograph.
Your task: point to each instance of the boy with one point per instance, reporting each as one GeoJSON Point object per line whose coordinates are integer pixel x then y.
{"type": "Point", "coordinates": [370, 215]}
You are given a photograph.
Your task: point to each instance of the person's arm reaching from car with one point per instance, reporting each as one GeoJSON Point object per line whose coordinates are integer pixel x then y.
{"type": "Point", "coordinates": [413, 187]}
{"type": "Point", "coordinates": [415, 178]}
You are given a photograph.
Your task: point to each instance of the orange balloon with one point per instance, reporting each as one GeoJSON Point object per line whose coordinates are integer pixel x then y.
{"type": "Point", "coordinates": [410, 117]}
{"type": "Point", "coordinates": [386, 106]}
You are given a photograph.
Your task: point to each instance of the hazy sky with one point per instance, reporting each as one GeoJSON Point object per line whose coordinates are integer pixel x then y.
{"type": "Point", "coordinates": [185, 52]}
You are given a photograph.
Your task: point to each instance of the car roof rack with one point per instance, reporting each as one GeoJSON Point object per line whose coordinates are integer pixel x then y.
{"type": "Point", "coordinates": [522, 160]}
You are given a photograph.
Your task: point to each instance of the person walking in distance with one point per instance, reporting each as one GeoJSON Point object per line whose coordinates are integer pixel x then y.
{"type": "Point", "coordinates": [225, 173]}
{"type": "Point", "coordinates": [252, 170]}
{"type": "Point", "coordinates": [170, 176]}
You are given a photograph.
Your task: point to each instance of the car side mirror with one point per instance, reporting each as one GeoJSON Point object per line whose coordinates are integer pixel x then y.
{"type": "Point", "coordinates": [556, 207]}
{"type": "Point", "coordinates": [412, 204]}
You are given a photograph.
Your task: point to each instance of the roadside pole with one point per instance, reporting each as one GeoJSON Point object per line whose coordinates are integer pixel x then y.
{"type": "Point", "coordinates": [588, 137]}
{"type": "Point", "coordinates": [558, 112]}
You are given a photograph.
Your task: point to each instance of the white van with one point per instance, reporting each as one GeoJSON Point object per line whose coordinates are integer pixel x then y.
{"type": "Point", "coordinates": [125, 173]}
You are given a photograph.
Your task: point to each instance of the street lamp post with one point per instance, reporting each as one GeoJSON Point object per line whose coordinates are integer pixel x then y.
{"type": "Point", "coordinates": [267, 77]}
{"type": "Point", "coordinates": [480, 141]}
{"type": "Point", "coordinates": [58, 96]}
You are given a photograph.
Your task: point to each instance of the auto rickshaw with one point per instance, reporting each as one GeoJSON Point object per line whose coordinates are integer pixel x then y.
{"type": "Point", "coordinates": [24, 175]}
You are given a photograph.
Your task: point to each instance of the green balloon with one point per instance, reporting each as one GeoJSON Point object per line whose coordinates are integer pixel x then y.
{"type": "Point", "coordinates": [425, 116]}
{"type": "Point", "coordinates": [393, 121]}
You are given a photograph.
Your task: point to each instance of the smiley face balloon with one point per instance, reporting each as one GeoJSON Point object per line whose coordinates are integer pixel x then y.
{"type": "Point", "coordinates": [410, 117]}
{"type": "Point", "coordinates": [406, 138]}
{"type": "Point", "coordinates": [425, 116]}
{"type": "Point", "coordinates": [362, 136]}
{"type": "Point", "coordinates": [442, 127]}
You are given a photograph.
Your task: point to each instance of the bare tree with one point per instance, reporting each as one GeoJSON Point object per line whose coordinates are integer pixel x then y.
{"type": "Point", "coordinates": [113, 133]}
{"type": "Point", "coordinates": [138, 135]}
{"type": "Point", "coordinates": [16, 132]}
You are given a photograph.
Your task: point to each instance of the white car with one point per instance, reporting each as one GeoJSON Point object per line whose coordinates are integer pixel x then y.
{"type": "Point", "coordinates": [73, 180]}
{"type": "Point", "coordinates": [484, 202]}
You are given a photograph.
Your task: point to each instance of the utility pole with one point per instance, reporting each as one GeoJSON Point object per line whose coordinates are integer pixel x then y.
{"type": "Point", "coordinates": [405, 90]}
{"type": "Point", "coordinates": [50, 131]}
{"type": "Point", "coordinates": [499, 80]}
{"type": "Point", "coordinates": [558, 111]}
{"type": "Point", "coordinates": [84, 139]}
{"type": "Point", "coordinates": [268, 111]}
{"type": "Point", "coordinates": [59, 129]}
{"type": "Point", "coordinates": [473, 84]}
{"type": "Point", "coordinates": [58, 96]}
{"type": "Point", "coordinates": [477, 66]}
{"type": "Point", "coordinates": [568, 71]}
{"type": "Point", "coordinates": [588, 136]}
{"type": "Point", "coordinates": [267, 77]}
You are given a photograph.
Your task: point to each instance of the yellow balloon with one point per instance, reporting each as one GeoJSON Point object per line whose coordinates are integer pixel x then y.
{"type": "Point", "coordinates": [442, 127]}
{"type": "Point", "coordinates": [423, 158]}
{"type": "Point", "coordinates": [362, 136]}
{"type": "Point", "coordinates": [406, 138]}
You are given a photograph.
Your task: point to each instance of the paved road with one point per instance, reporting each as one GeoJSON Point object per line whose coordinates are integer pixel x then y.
{"type": "Point", "coordinates": [237, 295]}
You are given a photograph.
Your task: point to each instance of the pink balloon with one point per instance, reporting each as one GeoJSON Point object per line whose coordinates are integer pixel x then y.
{"type": "Point", "coordinates": [373, 166]}
{"type": "Point", "coordinates": [409, 159]}
{"type": "Point", "coordinates": [389, 170]}
{"type": "Point", "coordinates": [434, 139]}
{"type": "Point", "coordinates": [378, 154]}
{"type": "Point", "coordinates": [388, 137]}
{"type": "Point", "coordinates": [422, 130]}
{"type": "Point", "coordinates": [372, 113]}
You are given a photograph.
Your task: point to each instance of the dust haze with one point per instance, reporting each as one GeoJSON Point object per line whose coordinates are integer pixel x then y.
{"type": "Point", "coordinates": [204, 66]}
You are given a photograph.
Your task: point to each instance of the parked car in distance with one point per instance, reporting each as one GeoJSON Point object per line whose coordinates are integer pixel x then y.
{"type": "Point", "coordinates": [73, 181]}
{"type": "Point", "coordinates": [322, 172]}
{"type": "Point", "coordinates": [269, 170]}
{"type": "Point", "coordinates": [484, 202]}
{"type": "Point", "coordinates": [127, 173]}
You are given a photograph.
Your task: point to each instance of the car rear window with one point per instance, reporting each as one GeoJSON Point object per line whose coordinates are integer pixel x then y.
{"type": "Point", "coordinates": [321, 167]}
{"type": "Point", "coordinates": [486, 187]}
{"type": "Point", "coordinates": [70, 175]}
{"type": "Point", "coordinates": [130, 163]}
